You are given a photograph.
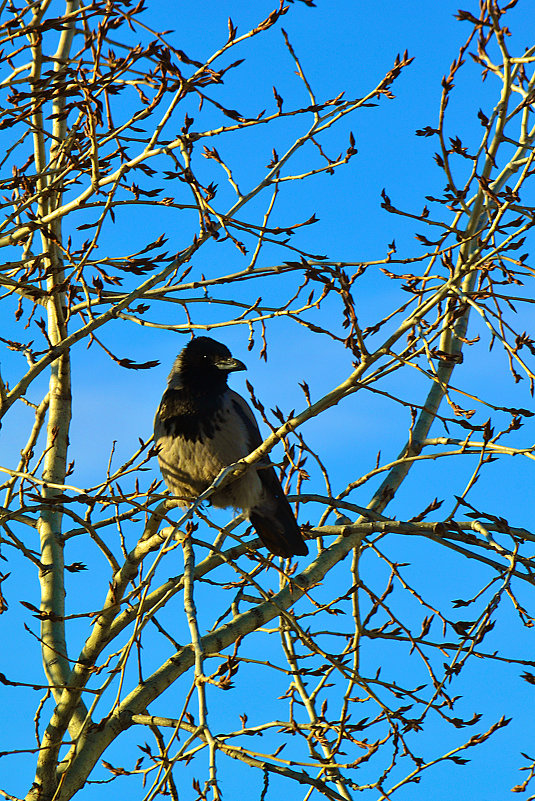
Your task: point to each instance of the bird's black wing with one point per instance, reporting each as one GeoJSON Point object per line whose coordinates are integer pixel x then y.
{"type": "Point", "coordinates": [272, 515]}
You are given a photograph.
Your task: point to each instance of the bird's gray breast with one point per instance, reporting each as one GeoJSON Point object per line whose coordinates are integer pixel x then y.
{"type": "Point", "coordinates": [194, 449]}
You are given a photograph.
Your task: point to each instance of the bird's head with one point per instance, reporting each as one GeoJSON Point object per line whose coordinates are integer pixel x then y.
{"type": "Point", "coordinates": [204, 362]}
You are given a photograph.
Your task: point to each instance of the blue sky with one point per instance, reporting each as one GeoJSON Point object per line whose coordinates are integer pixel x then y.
{"type": "Point", "coordinates": [344, 46]}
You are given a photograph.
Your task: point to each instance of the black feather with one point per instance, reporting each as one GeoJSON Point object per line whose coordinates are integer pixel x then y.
{"type": "Point", "coordinates": [202, 426]}
{"type": "Point", "coordinates": [274, 520]}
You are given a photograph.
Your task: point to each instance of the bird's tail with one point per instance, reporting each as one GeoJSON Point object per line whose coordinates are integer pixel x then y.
{"type": "Point", "coordinates": [274, 520]}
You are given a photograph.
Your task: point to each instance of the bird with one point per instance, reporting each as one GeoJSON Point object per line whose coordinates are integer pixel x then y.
{"type": "Point", "coordinates": [202, 426]}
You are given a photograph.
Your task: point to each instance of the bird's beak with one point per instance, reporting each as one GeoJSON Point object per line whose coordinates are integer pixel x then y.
{"type": "Point", "coordinates": [230, 365]}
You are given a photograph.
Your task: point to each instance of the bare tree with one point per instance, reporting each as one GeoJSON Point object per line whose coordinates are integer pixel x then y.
{"type": "Point", "coordinates": [337, 664]}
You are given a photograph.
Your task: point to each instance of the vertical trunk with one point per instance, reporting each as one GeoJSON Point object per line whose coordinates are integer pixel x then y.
{"type": "Point", "coordinates": [54, 647]}
{"type": "Point", "coordinates": [52, 585]}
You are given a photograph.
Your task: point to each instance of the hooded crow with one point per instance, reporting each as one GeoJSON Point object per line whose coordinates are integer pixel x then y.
{"type": "Point", "coordinates": [203, 426]}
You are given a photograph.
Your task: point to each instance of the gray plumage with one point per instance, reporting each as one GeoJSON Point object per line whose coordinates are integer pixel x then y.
{"type": "Point", "coordinates": [203, 426]}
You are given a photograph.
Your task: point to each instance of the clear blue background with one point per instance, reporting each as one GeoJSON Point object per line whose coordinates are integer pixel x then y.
{"type": "Point", "coordinates": [344, 46]}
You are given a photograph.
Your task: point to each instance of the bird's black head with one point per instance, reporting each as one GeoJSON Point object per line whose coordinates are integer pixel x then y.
{"type": "Point", "coordinates": [204, 365]}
